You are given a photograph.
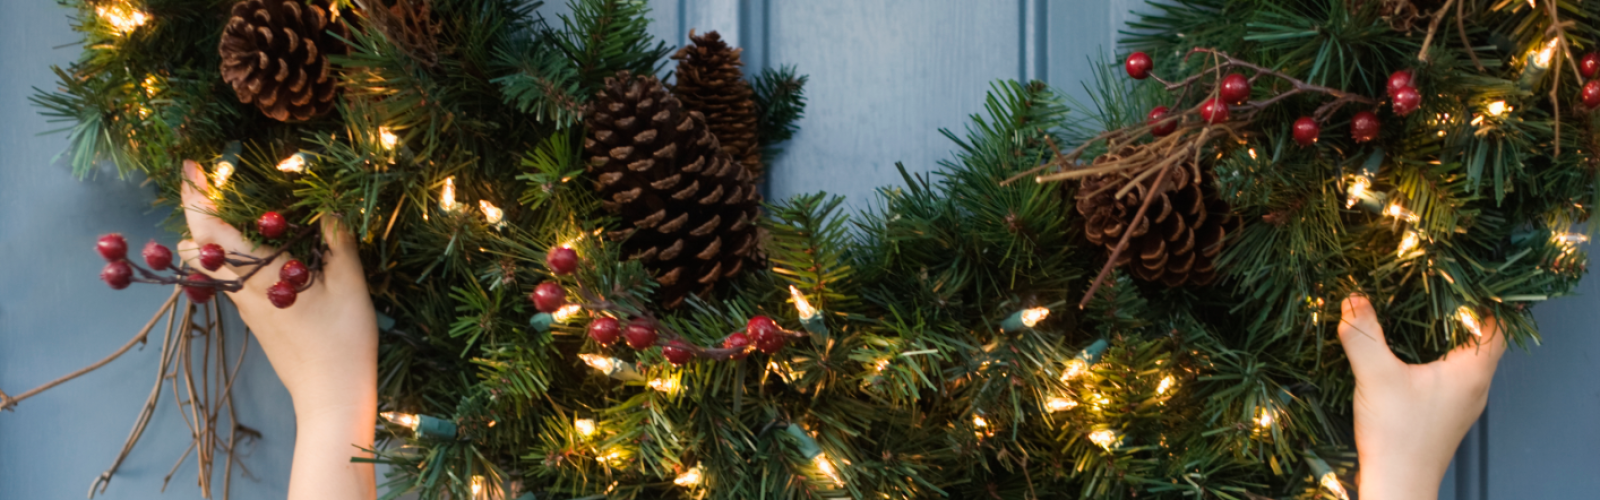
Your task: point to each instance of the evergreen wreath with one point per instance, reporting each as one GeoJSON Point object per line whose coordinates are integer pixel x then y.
{"type": "Point", "coordinates": [982, 332]}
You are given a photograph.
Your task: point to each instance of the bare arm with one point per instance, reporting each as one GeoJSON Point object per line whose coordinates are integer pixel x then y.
{"type": "Point", "coordinates": [1410, 418]}
{"type": "Point", "coordinates": [324, 349]}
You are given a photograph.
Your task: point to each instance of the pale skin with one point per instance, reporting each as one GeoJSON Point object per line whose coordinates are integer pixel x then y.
{"type": "Point", "coordinates": [324, 348]}
{"type": "Point", "coordinates": [1408, 418]}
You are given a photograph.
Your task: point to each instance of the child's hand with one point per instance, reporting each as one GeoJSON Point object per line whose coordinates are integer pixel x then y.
{"type": "Point", "coordinates": [324, 347]}
{"type": "Point", "coordinates": [1410, 418]}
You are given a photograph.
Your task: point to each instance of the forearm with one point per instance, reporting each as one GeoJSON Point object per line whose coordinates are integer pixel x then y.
{"type": "Point", "coordinates": [327, 436]}
{"type": "Point", "coordinates": [1381, 481]}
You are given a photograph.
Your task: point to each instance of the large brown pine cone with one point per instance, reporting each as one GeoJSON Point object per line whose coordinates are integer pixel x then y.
{"type": "Point", "coordinates": [275, 55]}
{"type": "Point", "coordinates": [710, 81]}
{"type": "Point", "coordinates": [689, 212]}
{"type": "Point", "coordinates": [1186, 223]}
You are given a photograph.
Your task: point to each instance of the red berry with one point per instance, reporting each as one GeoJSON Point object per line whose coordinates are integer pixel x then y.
{"type": "Point", "coordinates": [1139, 65]}
{"type": "Point", "coordinates": [548, 297]}
{"type": "Point", "coordinates": [1214, 111]}
{"type": "Point", "coordinates": [1364, 126]}
{"type": "Point", "coordinates": [677, 352]}
{"type": "Point", "coordinates": [562, 260]}
{"type": "Point", "coordinates": [738, 341]}
{"type": "Point", "coordinates": [769, 338]}
{"type": "Point", "coordinates": [199, 292]}
{"type": "Point", "coordinates": [604, 330]}
{"type": "Point", "coordinates": [1406, 100]}
{"type": "Point", "coordinates": [157, 256]}
{"type": "Point", "coordinates": [117, 274]}
{"type": "Point", "coordinates": [1306, 131]}
{"type": "Point", "coordinates": [1399, 80]}
{"type": "Point", "coordinates": [112, 247]}
{"type": "Point", "coordinates": [1156, 115]}
{"type": "Point", "coordinates": [281, 294]}
{"type": "Point", "coordinates": [1235, 89]}
{"type": "Point", "coordinates": [212, 257]}
{"type": "Point", "coordinates": [1589, 65]}
{"type": "Point", "coordinates": [272, 225]}
{"type": "Point", "coordinates": [640, 334]}
{"type": "Point", "coordinates": [1591, 94]}
{"type": "Point", "coordinates": [294, 273]}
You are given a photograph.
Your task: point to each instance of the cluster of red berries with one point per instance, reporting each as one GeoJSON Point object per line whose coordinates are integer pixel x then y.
{"type": "Point", "coordinates": [293, 276]}
{"type": "Point", "coordinates": [640, 333]}
{"type": "Point", "coordinates": [1588, 66]}
{"type": "Point", "coordinates": [1236, 88]}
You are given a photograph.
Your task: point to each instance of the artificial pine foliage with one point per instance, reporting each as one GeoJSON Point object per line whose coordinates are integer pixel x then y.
{"type": "Point", "coordinates": [711, 82]}
{"type": "Point", "coordinates": [463, 155]}
{"type": "Point", "coordinates": [689, 211]}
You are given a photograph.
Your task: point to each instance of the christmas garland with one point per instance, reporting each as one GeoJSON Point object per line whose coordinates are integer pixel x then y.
{"type": "Point", "coordinates": [1146, 314]}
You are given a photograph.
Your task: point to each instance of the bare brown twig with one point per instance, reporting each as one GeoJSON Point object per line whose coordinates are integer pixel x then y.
{"type": "Point", "coordinates": [7, 402]}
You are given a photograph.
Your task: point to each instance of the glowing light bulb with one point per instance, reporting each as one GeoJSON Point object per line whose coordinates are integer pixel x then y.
{"type": "Point", "coordinates": [881, 364]}
{"type": "Point", "coordinates": [1330, 482]}
{"type": "Point", "coordinates": [388, 138]}
{"type": "Point", "coordinates": [1060, 404]}
{"type": "Point", "coordinates": [1033, 316]}
{"type": "Point", "coordinates": [689, 478]}
{"type": "Point", "coordinates": [1542, 58]}
{"type": "Point", "coordinates": [566, 312]}
{"type": "Point", "coordinates": [665, 385]}
{"type": "Point", "coordinates": [1358, 190]}
{"type": "Point", "coordinates": [1569, 241]}
{"type": "Point", "coordinates": [406, 420]}
{"type": "Point", "coordinates": [1408, 243]}
{"type": "Point", "coordinates": [979, 422]}
{"type": "Point", "coordinates": [1104, 438]}
{"type": "Point", "coordinates": [224, 170]}
{"type": "Point", "coordinates": [1496, 108]}
{"type": "Point", "coordinates": [610, 457]}
{"type": "Point", "coordinates": [122, 18]}
{"type": "Point", "coordinates": [294, 164]}
{"type": "Point", "coordinates": [492, 214]}
{"type": "Point", "coordinates": [1252, 152]}
{"type": "Point", "coordinates": [1075, 369]}
{"type": "Point", "coordinates": [447, 195]}
{"type": "Point", "coordinates": [479, 488]}
{"type": "Point", "coordinates": [1469, 319]}
{"type": "Point", "coordinates": [802, 307]}
{"type": "Point", "coordinates": [1399, 212]}
{"type": "Point", "coordinates": [1166, 385]}
{"type": "Point", "coordinates": [598, 362]}
{"type": "Point", "coordinates": [1264, 419]}
{"type": "Point", "coordinates": [585, 426]}
{"type": "Point", "coordinates": [826, 468]}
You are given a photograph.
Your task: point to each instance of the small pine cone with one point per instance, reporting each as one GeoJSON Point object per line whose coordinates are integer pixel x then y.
{"type": "Point", "coordinates": [275, 55]}
{"type": "Point", "coordinates": [1182, 235]}
{"type": "Point", "coordinates": [710, 81]}
{"type": "Point", "coordinates": [689, 211]}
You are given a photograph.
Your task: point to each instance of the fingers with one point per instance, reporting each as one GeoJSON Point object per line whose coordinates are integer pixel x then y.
{"type": "Point", "coordinates": [1363, 340]}
{"type": "Point", "coordinates": [343, 259]}
{"type": "Point", "coordinates": [204, 227]}
{"type": "Point", "coordinates": [1479, 359]}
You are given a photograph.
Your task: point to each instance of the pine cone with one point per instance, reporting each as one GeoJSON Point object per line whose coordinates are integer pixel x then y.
{"type": "Point", "coordinates": [710, 81]}
{"type": "Point", "coordinates": [688, 210]}
{"type": "Point", "coordinates": [1190, 223]}
{"type": "Point", "coordinates": [275, 54]}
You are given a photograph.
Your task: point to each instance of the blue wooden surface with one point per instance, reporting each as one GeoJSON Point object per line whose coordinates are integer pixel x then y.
{"type": "Point", "coordinates": [885, 75]}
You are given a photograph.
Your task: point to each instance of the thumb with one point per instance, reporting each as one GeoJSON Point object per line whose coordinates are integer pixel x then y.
{"type": "Point", "coordinates": [199, 211]}
{"type": "Point", "coordinates": [1363, 340]}
{"type": "Point", "coordinates": [344, 258]}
